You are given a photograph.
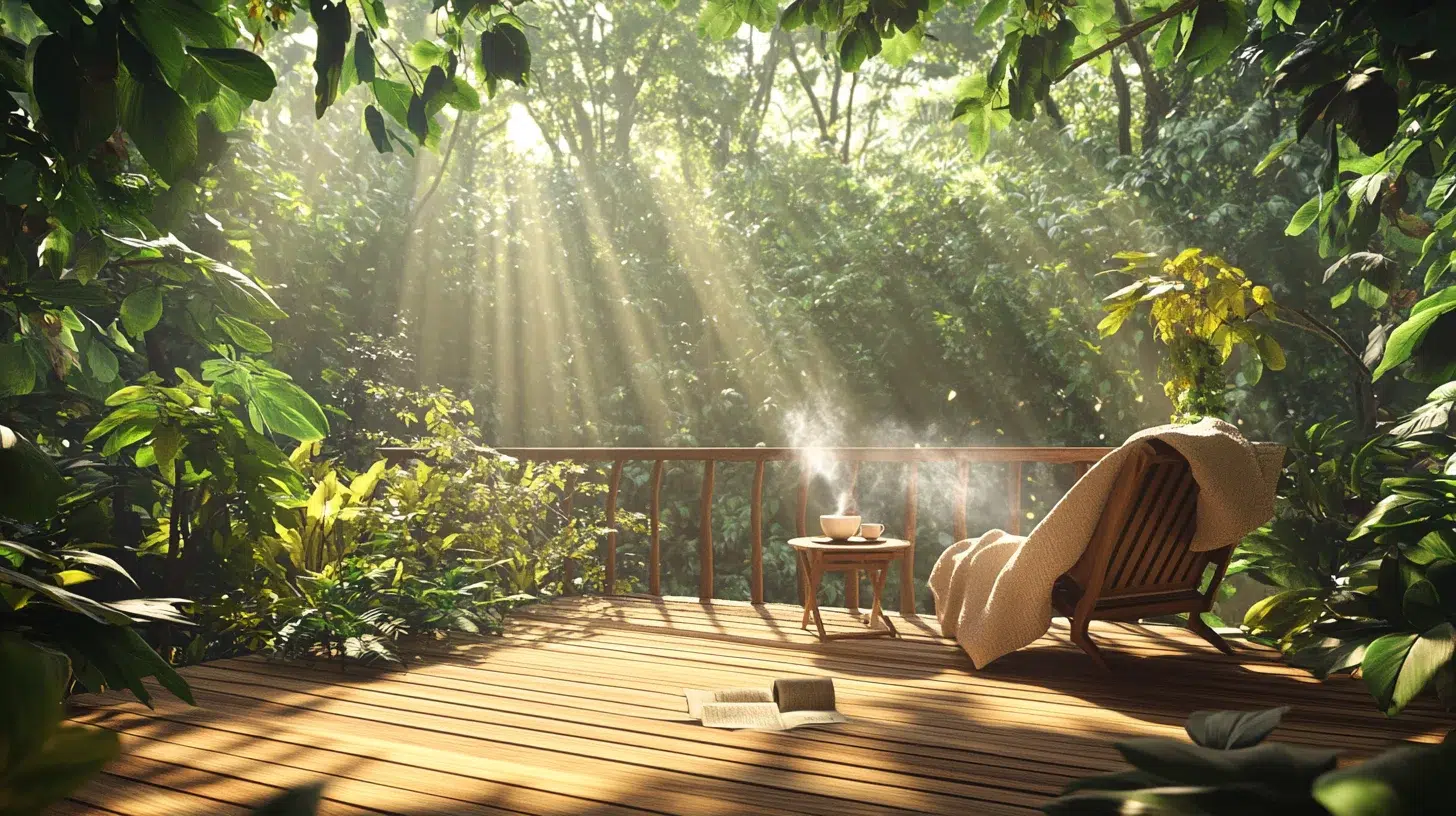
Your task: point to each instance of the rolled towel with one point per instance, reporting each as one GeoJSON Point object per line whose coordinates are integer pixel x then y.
{"type": "Point", "coordinates": [804, 694]}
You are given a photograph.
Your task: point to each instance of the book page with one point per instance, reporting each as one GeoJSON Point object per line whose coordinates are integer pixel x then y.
{"type": "Point", "coordinates": [697, 698]}
{"type": "Point", "coordinates": [795, 719]}
{"type": "Point", "coordinates": [742, 715]}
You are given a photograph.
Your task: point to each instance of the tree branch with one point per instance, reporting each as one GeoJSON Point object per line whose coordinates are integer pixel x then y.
{"type": "Point", "coordinates": [444, 163]}
{"type": "Point", "coordinates": [1128, 33]}
{"type": "Point", "coordinates": [809, 91]}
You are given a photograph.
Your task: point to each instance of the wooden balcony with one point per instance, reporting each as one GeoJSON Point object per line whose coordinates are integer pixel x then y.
{"type": "Point", "coordinates": [578, 709]}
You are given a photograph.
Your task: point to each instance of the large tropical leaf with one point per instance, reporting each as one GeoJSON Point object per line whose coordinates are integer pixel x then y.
{"type": "Point", "coordinates": [1397, 667]}
{"type": "Point", "coordinates": [33, 484]}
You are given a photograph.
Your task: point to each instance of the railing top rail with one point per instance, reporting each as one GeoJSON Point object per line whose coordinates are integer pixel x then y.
{"type": "Point", "coordinates": [1007, 453]}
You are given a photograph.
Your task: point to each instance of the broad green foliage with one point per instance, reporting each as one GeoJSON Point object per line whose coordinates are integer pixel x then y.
{"type": "Point", "coordinates": [1229, 770]}
{"type": "Point", "coordinates": [447, 543]}
{"type": "Point", "coordinates": [1364, 553]}
{"type": "Point", "coordinates": [42, 758]}
{"type": "Point", "coordinates": [94, 639]}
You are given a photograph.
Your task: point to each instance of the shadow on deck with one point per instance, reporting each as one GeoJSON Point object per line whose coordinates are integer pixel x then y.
{"type": "Point", "coordinates": [578, 709]}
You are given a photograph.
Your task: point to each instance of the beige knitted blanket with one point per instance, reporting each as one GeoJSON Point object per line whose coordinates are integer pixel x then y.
{"type": "Point", "coordinates": [993, 594]}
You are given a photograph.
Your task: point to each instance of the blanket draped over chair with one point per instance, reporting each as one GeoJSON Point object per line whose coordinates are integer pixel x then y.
{"type": "Point", "coordinates": [993, 594]}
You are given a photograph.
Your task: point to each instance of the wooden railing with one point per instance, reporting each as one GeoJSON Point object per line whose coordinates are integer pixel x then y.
{"type": "Point", "coordinates": [1012, 457]}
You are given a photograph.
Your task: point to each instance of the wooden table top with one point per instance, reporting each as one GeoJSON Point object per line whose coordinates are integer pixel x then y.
{"type": "Point", "coordinates": [854, 544]}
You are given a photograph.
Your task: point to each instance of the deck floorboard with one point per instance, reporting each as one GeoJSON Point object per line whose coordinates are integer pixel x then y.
{"type": "Point", "coordinates": [577, 709]}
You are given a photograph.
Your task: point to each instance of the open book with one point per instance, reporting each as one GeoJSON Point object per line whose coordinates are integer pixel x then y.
{"type": "Point", "coordinates": [790, 703]}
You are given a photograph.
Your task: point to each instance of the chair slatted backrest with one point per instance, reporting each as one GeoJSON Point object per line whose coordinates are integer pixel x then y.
{"type": "Point", "coordinates": [1140, 545]}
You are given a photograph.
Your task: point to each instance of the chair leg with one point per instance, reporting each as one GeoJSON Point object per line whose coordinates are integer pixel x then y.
{"type": "Point", "coordinates": [1203, 630]}
{"type": "Point", "coordinates": [1084, 642]}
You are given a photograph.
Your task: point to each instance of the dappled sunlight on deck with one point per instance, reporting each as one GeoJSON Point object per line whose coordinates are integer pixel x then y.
{"type": "Point", "coordinates": [578, 708]}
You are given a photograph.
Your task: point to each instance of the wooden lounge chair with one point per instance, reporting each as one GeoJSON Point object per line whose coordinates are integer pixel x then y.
{"type": "Point", "coordinates": [1137, 563]}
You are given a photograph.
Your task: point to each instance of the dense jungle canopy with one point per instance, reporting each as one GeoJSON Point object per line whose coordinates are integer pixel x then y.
{"type": "Point", "coordinates": [248, 241]}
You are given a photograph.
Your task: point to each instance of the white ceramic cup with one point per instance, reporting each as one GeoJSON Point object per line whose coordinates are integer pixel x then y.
{"type": "Point", "coordinates": [871, 531]}
{"type": "Point", "coordinates": [839, 527]}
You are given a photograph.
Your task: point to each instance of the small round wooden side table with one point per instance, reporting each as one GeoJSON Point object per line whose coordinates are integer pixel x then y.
{"type": "Point", "coordinates": [818, 555]}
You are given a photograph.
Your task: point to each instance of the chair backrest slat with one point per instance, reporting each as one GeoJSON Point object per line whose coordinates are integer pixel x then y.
{"type": "Point", "coordinates": [1176, 529]}
{"type": "Point", "coordinates": [1141, 542]}
{"type": "Point", "coordinates": [1150, 546]}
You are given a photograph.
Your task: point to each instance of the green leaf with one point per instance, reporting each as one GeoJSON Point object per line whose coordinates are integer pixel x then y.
{"type": "Point", "coordinates": [331, 20]}
{"type": "Point", "coordinates": [505, 54]}
{"type": "Point", "coordinates": [226, 109]}
{"type": "Point", "coordinates": [1397, 667]}
{"type": "Point", "coordinates": [902, 46]}
{"type": "Point", "coordinates": [719, 19]}
{"type": "Point", "coordinates": [198, 19]}
{"type": "Point", "coordinates": [393, 98]}
{"type": "Point", "coordinates": [243, 71]}
{"type": "Point", "coordinates": [1089, 15]}
{"type": "Point", "coordinates": [240, 293]}
{"type": "Point", "coordinates": [161, 124]}
{"type": "Point", "coordinates": [127, 434]}
{"type": "Point", "coordinates": [162, 37]}
{"type": "Point", "coordinates": [374, 124]}
{"type": "Point", "coordinates": [990, 13]}
{"type": "Point", "coordinates": [417, 118]}
{"type": "Point", "coordinates": [1273, 155]}
{"type": "Point", "coordinates": [166, 443]}
{"type": "Point", "coordinates": [1218, 28]}
{"type": "Point", "coordinates": [1186, 764]}
{"type": "Point", "coordinates": [1233, 729]}
{"type": "Point", "coordinates": [101, 362]}
{"type": "Point", "coordinates": [55, 82]}
{"type": "Point", "coordinates": [89, 259]}
{"type": "Point", "coordinates": [363, 58]}
{"type": "Point", "coordinates": [1370, 294]}
{"type": "Point", "coordinates": [424, 53]}
{"type": "Point", "coordinates": [463, 95]}
{"type": "Point", "coordinates": [1304, 217]}
{"type": "Point", "coordinates": [33, 484]}
{"type": "Point", "coordinates": [1271, 352]}
{"type": "Point", "coordinates": [17, 370]}
{"type": "Point", "coordinates": [1407, 779]}
{"type": "Point", "coordinates": [287, 409]}
{"type": "Point", "coordinates": [1407, 337]}
{"type": "Point", "coordinates": [1165, 45]}
{"type": "Point", "coordinates": [247, 336]}
{"type": "Point", "coordinates": [858, 42]}
{"type": "Point", "coordinates": [141, 310]}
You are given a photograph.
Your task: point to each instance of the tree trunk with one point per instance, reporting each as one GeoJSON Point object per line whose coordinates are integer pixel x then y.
{"type": "Point", "coordinates": [1124, 109]}
{"type": "Point", "coordinates": [809, 92]}
{"type": "Point", "coordinates": [1156, 104]}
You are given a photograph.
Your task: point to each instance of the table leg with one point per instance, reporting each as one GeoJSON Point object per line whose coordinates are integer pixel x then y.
{"type": "Point", "coordinates": [877, 613]}
{"type": "Point", "coordinates": [816, 575]}
{"type": "Point", "coordinates": [805, 593]}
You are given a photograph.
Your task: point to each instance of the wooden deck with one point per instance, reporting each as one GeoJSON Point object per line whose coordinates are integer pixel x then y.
{"type": "Point", "coordinates": [578, 709]}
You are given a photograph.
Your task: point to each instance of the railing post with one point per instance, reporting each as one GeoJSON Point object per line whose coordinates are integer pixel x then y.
{"type": "Point", "coordinates": [654, 556]}
{"type": "Point", "coordinates": [613, 484]}
{"type": "Point", "coordinates": [907, 566]}
{"type": "Point", "coordinates": [963, 474]}
{"type": "Point", "coordinates": [851, 578]}
{"type": "Point", "coordinates": [1013, 498]}
{"type": "Point", "coordinates": [755, 584]}
{"type": "Point", "coordinates": [705, 536]}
